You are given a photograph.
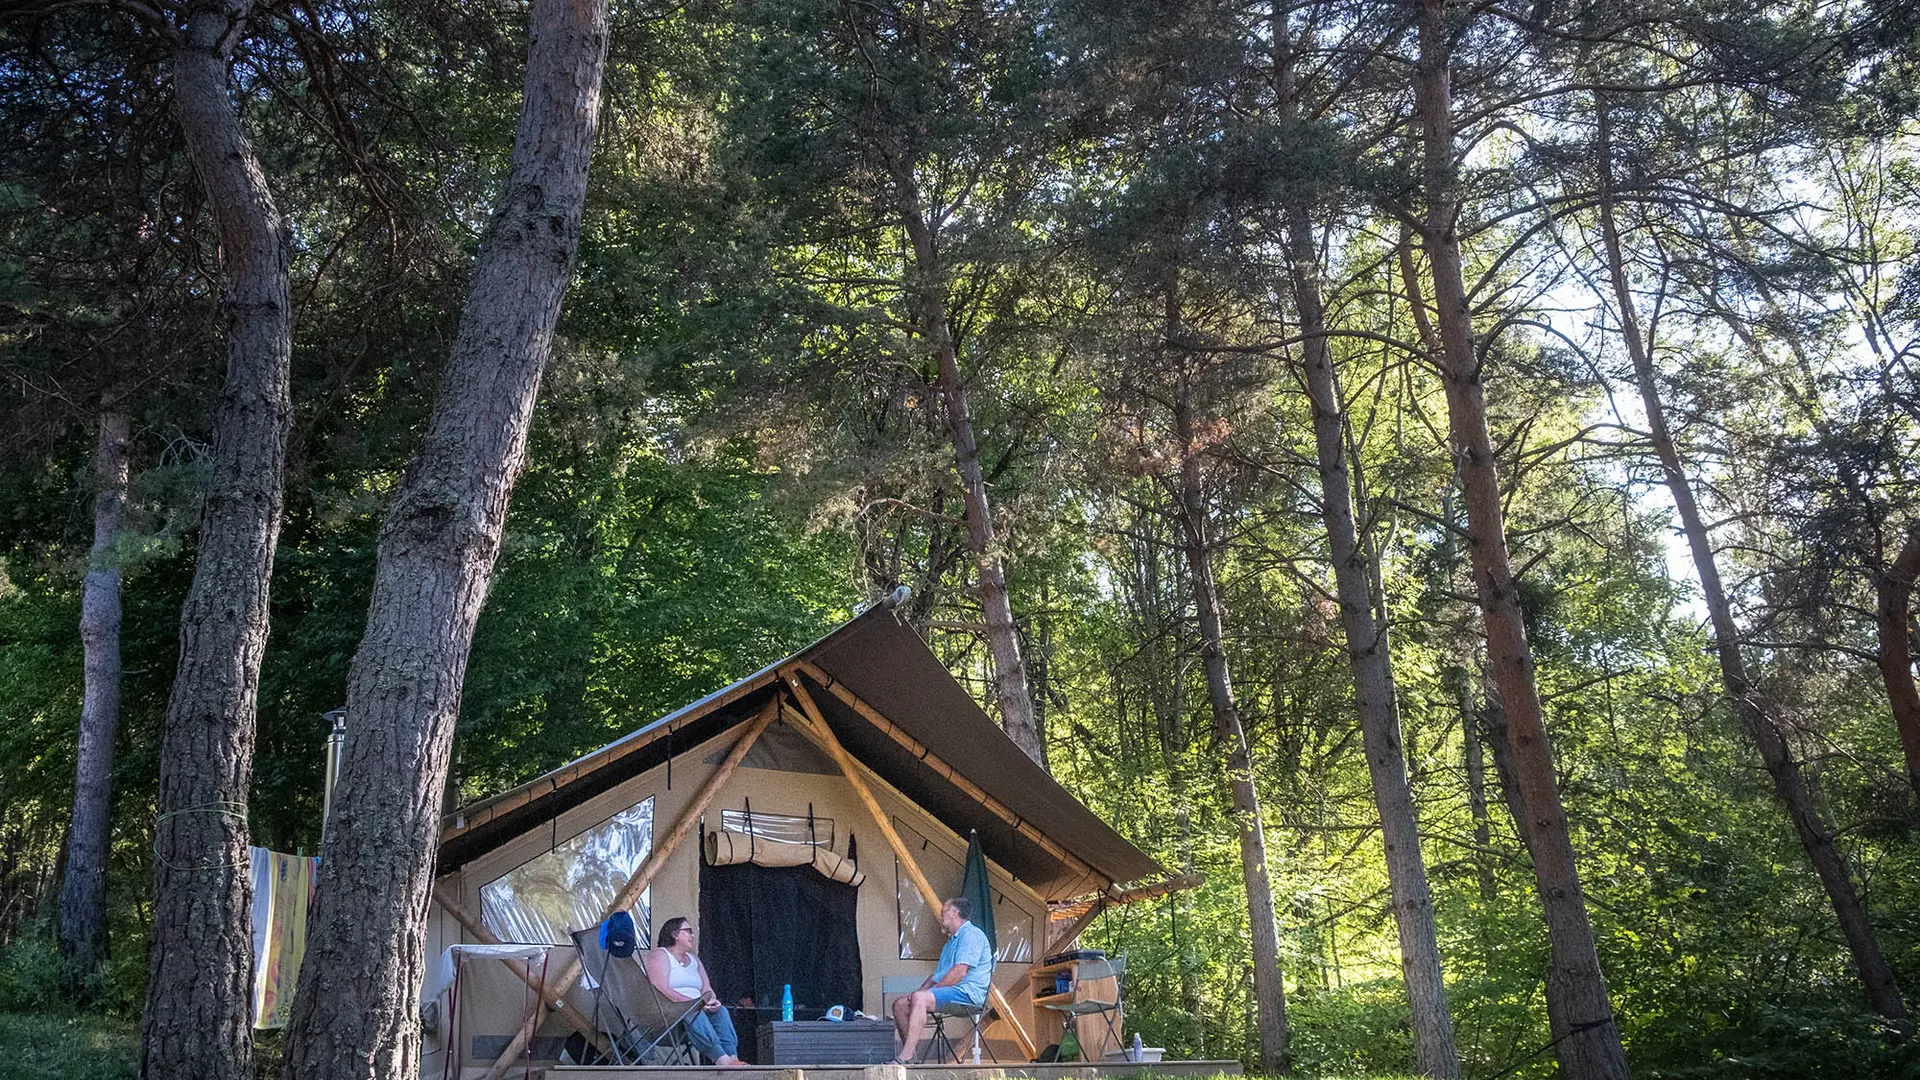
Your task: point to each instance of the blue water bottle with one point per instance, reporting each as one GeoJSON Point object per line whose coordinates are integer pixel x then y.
{"type": "Point", "coordinates": [786, 1003]}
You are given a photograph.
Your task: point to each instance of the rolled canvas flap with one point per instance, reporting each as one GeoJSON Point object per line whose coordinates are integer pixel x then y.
{"type": "Point", "coordinates": [726, 847]}
{"type": "Point", "coordinates": [837, 868]}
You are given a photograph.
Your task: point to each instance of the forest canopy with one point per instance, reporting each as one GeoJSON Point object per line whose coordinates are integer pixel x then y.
{"type": "Point", "coordinates": [1443, 471]}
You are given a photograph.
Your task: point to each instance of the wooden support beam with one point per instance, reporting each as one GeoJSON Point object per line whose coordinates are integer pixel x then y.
{"type": "Point", "coordinates": [558, 985]}
{"type": "Point", "coordinates": [1113, 897]}
{"type": "Point", "coordinates": [1067, 933]}
{"type": "Point", "coordinates": [466, 917]}
{"type": "Point", "coordinates": [945, 771]}
{"type": "Point", "coordinates": [816, 725]}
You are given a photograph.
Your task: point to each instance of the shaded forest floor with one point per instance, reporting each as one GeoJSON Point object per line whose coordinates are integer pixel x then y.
{"type": "Point", "coordinates": [81, 1046]}
{"type": "Point", "coordinates": [86, 1046]}
{"type": "Point", "coordinates": [67, 1046]}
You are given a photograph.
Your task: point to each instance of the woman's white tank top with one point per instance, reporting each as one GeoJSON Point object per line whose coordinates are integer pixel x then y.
{"type": "Point", "coordinates": [684, 978]}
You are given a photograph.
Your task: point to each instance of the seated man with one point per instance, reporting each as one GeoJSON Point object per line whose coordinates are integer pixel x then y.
{"type": "Point", "coordinates": [964, 973]}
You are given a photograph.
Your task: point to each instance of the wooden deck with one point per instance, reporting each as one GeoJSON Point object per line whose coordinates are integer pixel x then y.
{"type": "Point", "coordinates": [984, 1071]}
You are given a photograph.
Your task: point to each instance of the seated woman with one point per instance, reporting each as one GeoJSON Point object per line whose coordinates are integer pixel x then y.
{"type": "Point", "coordinates": [677, 972]}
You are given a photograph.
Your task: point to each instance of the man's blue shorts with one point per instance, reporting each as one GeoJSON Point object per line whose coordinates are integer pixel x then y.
{"type": "Point", "coordinates": [952, 995]}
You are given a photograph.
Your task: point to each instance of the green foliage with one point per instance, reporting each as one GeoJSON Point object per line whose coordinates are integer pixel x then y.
{"type": "Point", "coordinates": [55, 1046]}
{"type": "Point", "coordinates": [31, 972]}
{"type": "Point", "coordinates": [620, 603]}
{"type": "Point", "coordinates": [740, 438]}
{"type": "Point", "coordinates": [1362, 1030]}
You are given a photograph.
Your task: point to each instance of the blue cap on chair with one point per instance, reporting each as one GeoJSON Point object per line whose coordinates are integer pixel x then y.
{"type": "Point", "coordinates": [618, 935]}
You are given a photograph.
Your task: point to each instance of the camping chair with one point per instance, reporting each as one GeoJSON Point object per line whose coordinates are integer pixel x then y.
{"type": "Point", "coordinates": [941, 1045]}
{"type": "Point", "coordinates": [639, 1021]}
{"type": "Point", "coordinates": [976, 1015]}
{"type": "Point", "coordinates": [1091, 971]}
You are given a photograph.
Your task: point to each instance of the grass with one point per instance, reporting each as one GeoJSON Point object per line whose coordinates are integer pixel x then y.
{"type": "Point", "coordinates": [83, 1046]}
{"type": "Point", "coordinates": [67, 1046]}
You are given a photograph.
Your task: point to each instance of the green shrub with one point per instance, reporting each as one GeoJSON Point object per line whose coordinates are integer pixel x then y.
{"type": "Point", "coordinates": [1358, 1030]}
{"type": "Point", "coordinates": [30, 971]}
{"type": "Point", "coordinates": [1811, 1039]}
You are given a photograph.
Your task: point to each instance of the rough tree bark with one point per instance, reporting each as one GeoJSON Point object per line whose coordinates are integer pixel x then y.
{"type": "Point", "coordinates": [82, 908]}
{"type": "Point", "coordinates": [1269, 984]}
{"type": "Point", "coordinates": [1369, 661]}
{"type": "Point", "coordinates": [1790, 784]}
{"type": "Point", "coordinates": [1893, 615]}
{"type": "Point", "coordinates": [1579, 1013]}
{"type": "Point", "coordinates": [196, 1025]}
{"type": "Point", "coordinates": [1003, 636]}
{"type": "Point", "coordinates": [356, 1014]}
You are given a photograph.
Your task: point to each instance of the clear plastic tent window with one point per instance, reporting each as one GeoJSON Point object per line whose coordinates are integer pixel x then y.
{"type": "Point", "coordinates": [921, 936]}
{"type": "Point", "coordinates": [570, 887]}
{"type": "Point", "coordinates": [780, 828]}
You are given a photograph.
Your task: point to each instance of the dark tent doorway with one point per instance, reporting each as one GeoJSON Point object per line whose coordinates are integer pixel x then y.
{"type": "Point", "coordinates": [764, 927]}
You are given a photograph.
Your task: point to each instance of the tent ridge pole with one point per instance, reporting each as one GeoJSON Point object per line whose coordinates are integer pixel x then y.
{"type": "Point", "coordinates": [927, 756]}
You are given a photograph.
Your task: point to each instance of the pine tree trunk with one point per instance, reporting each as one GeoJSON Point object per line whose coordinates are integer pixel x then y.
{"type": "Point", "coordinates": [1369, 660]}
{"type": "Point", "coordinates": [1269, 984]}
{"type": "Point", "coordinates": [1476, 763]}
{"type": "Point", "coordinates": [197, 1023]}
{"type": "Point", "coordinates": [1893, 614]}
{"type": "Point", "coordinates": [1003, 636]}
{"type": "Point", "coordinates": [1580, 1016]}
{"type": "Point", "coordinates": [83, 886]}
{"type": "Point", "coordinates": [356, 1016]}
{"type": "Point", "coordinates": [1789, 782]}
{"type": "Point", "coordinates": [1506, 770]}
{"type": "Point", "coordinates": [1369, 653]}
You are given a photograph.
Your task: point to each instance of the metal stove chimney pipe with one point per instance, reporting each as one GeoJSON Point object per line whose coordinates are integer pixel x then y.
{"type": "Point", "coordinates": [335, 739]}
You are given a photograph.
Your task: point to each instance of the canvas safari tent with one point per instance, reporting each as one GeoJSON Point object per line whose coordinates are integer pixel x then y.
{"type": "Point", "coordinates": [860, 759]}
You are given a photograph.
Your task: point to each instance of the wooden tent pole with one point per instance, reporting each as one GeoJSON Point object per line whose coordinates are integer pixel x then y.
{"type": "Point", "coordinates": [1066, 935]}
{"type": "Point", "coordinates": [1114, 897]}
{"type": "Point", "coordinates": [945, 771]}
{"type": "Point", "coordinates": [466, 917]}
{"type": "Point", "coordinates": [569, 973]}
{"type": "Point", "coordinates": [817, 726]}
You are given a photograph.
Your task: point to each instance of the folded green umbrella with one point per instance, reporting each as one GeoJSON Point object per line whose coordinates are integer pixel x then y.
{"type": "Point", "coordinates": [977, 890]}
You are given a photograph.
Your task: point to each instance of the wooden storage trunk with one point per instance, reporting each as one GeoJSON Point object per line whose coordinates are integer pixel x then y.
{"type": "Point", "coordinates": [826, 1042]}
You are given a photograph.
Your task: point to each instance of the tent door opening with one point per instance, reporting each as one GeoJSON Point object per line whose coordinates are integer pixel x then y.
{"type": "Point", "coordinates": [763, 928]}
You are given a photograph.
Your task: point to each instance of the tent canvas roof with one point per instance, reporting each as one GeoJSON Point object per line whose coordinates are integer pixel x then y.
{"type": "Point", "coordinates": [882, 661]}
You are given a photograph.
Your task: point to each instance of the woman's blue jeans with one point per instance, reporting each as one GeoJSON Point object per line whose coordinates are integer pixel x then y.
{"type": "Point", "coordinates": [711, 1033]}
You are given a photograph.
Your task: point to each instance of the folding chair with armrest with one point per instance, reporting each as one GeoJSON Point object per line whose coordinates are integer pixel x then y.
{"type": "Point", "coordinates": [639, 1021]}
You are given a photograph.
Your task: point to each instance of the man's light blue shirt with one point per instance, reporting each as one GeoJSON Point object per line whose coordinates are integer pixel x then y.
{"type": "Point", "coordinates": [968, 946]}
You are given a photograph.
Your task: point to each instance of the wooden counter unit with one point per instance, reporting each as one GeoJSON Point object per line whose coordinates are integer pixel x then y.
{"type": "Point", "coordinates": [1049, 1024]}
